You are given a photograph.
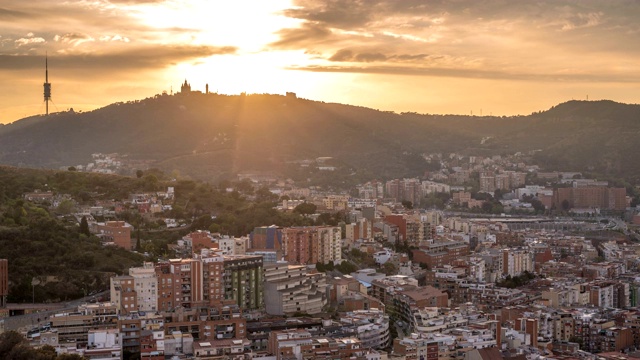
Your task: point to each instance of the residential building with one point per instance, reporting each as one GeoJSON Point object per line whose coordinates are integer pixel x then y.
{"type": "Point", "coordinates": [590, 197]}
{"type": "Point", "coordinates": [103, 344]}
{"type": "Point", "coordinates": [146, 287]}
{"type": "Point", "coordinates": [290, 289]}
{"type": "Point", "coordinates": [266, 237]}
{"type": "Point", "coordinates": [440, 253]}
{"type": "Point", "coordinates": [515, 261]}
{"type": "Point", "coordinates": [242, 281]}
{"type": "Point", "coordinates": [361, 229]}
{"type": "Point", "coordinates": [371, 327]}
{"type": "Point", "coordinates": [123, 294]}
{"type": "Point", "coordinates": [310, 245]}
{"type": "Point", "coordinates": [118, 232]}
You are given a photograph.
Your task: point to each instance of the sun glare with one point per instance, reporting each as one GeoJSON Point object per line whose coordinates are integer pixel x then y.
{"type": "Point", "coordinates": [248, 25]}
{"type": "Point", "coordinates": [262, 72]}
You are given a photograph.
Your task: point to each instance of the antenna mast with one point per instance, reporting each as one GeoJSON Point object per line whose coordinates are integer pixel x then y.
{"type": "Point", "coordinates": [47, 85]}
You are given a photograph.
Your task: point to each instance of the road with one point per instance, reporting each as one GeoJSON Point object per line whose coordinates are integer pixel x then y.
{"type": "Point", "coordinates": [29, 321]}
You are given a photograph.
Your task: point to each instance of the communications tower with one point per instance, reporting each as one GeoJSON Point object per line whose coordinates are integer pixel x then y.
{"type": "Point", "coordinates": [47, 84]}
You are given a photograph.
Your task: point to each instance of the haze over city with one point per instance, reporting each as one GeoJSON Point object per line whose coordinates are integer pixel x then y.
{"type": "Point", "coordinates": [442, 57]}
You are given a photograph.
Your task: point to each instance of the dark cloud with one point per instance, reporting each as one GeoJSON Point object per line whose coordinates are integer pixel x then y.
{"type": "Point", "coordinates": [346, 55]}
{"type": "Point", "coordinates": [411, 57]}
{"type": "Point", "coordinates": [370, 57]}
{"type": "Point", "coordinates": [342, 55]}
{"type": "Point", "coordinates": [472, 73]}
{"type": "Point", "coordinates": [148, 57]}
{"type": "Point", "coordinates": [6, 14]}
{"type": "Point", "coordinates": [305, 36]}
{"type": "Point", "coordinates": [338, 13]}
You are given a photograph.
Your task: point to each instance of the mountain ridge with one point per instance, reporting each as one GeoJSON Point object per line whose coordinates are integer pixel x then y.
{"type": "Point", "coordinates": [212, 136]}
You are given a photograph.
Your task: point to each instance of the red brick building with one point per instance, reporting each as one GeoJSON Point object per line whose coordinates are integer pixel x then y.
{"type": "Point", "coordinates": [118, 232]}
{"type": "Point", "coordinates": [440, 253]}
{"type": "Point", "coordinates": [590, 197]}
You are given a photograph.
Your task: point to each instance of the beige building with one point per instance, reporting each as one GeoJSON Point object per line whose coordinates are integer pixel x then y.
{"type": "Point", "coordinates": [290, 288]}
{"type": "Point", "coordinates": [123, 294]}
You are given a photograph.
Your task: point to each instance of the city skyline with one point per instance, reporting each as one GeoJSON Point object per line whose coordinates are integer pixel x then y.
{"type": "Point", "coordinates": [443, 57]}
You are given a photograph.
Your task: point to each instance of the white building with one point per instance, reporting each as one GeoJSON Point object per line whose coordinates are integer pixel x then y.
{"type": "Point", "coordinates": [103, 344]}
{"type": "Point", "coordinates": [146, 286]}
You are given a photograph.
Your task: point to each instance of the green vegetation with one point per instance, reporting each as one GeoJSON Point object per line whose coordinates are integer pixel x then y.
{"type": "Point", "coordinates": [14, 346]}
{"type": "Point", "coordinates": [67, 263]}
{"type": "Point", "coordinates": [516, 281]}
{"type": "Point", "coordinates": [52, 246]}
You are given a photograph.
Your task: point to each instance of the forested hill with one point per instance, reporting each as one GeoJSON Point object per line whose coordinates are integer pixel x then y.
{"type": "Point", "coordinates": [212, 136]}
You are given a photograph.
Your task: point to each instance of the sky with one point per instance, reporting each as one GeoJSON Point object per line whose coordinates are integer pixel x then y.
{"type": "Point", "coordinates": [480, 57]}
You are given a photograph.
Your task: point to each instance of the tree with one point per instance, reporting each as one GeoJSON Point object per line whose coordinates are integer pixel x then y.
{"type": "Point", "coordinates": [389, 268]}
{"type": "Point", "coordinates": [139, 173]}
{"type": "Point", "coordinates": [9, 340]}
{"type": "Point", "coordinates": [65, 207]}
{"type": "Point", "coordinates": [538, 206]}
{"type": "Point", "coordinates": [305, 209]}
{"type": "Point", "coordinates": [265, 195]}
{"type": "Point", "coordinates": [565, 205]}
{"type": "Point", "coordinates": [407, 204]}
{"type": "Point", "coordinates": [138, 245]}
{"type": "Point", "coordinates": [84, 226]}
{"type": "Point", "coordinates": [150, 182]}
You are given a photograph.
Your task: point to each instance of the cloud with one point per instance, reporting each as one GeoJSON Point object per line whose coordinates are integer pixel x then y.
{"type": "Point", "coordinates": [342, 55]}
{"type": "Point", "coordinates": [6, 14]}
{"type": "Point", "coordinates": [559, 39]}
{"type": "Point", "coordinates": [473, 73]}
{"type": "Point", "coordinates": [145, 57]}
{"type": "Point", "coordinates": [583, 20]}
{"type": "Point", "coordinates": [307, 35]}
{"type": "Point", "coordinates": [337, 13]}
{"type": "Point", "coordinates": [74, 39]}
{"type": "Point", "coordinates": [29, 41]}
{"type": "Point", "coordinates": [107, 38]}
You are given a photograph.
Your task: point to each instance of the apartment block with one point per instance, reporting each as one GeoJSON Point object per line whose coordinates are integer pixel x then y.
{"type": "Point", "coordinates": [590, 197]}
{"type": "Point", "coordinates": [309, 245]}
{"type": "Point", "coordinates": [118, 232]}
{"type": "Point", "coordinates": [440, 253]}
{"type": "Point", "coordinates": [266, 237]}
{"type": "Point", "coordinates": [516, 261]}
{"type": "Point", "coordinates": [146, 287]}
{"type": "Point", "coordinates": [123, 294]}
{"type": "Point", "coordinates": [290, 288]}
{"type": "Point", "coordinates": [242, 281]}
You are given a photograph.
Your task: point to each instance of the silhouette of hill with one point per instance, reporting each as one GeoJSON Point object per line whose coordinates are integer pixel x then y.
{"type": "Point", "coordinates": [211, 136]}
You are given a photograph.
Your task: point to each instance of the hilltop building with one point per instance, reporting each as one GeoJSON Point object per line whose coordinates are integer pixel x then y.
{"type": "Point", "coordinates": [185, 88]}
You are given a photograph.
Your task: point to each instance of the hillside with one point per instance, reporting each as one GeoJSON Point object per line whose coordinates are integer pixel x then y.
{"type": "Point", "coordinates": [211, 136]}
